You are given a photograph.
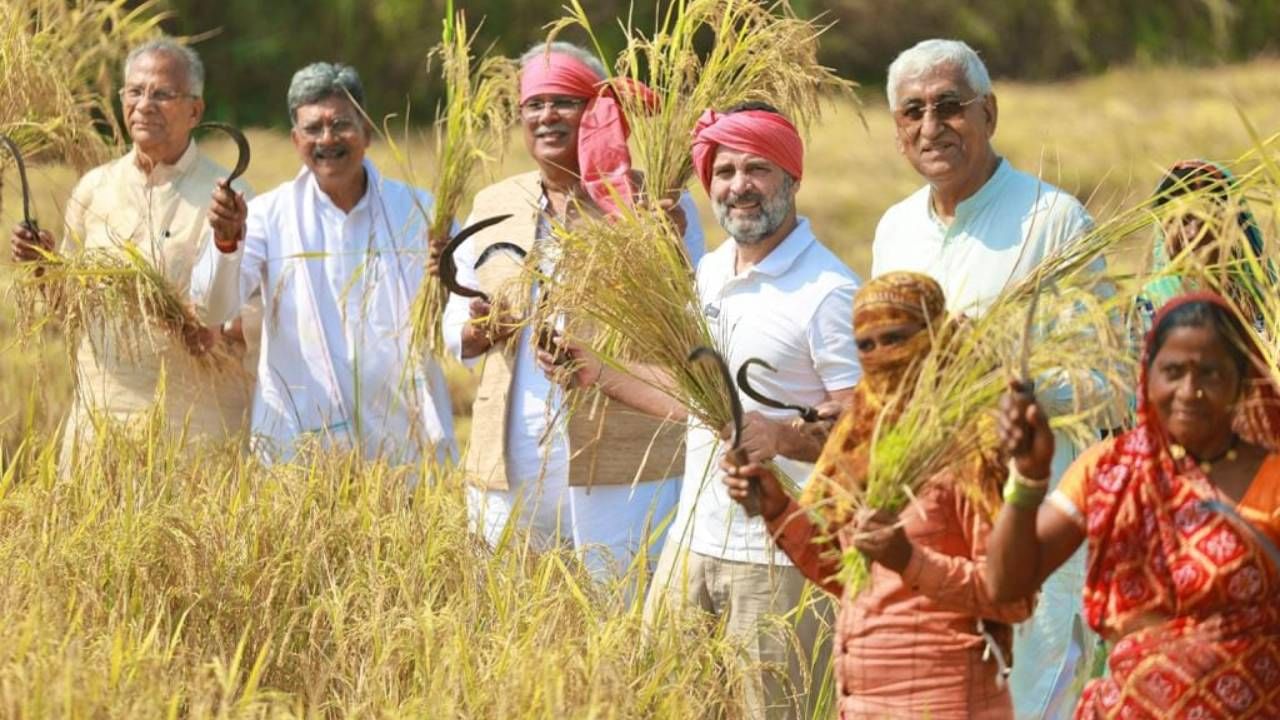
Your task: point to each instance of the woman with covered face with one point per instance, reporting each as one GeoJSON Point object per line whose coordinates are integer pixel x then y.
{"type": "Point", "coordinates": [1181, 515]}
{"type": "Point", "coordinates": [925, 639]}
{"type": "Point", "coordinates": [1201, 212]}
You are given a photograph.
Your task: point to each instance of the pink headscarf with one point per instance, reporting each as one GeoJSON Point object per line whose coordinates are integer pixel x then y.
{"type": "Point", "coordinates": [603, 158]}
{"type": "Point", "coordinates": [759, 132]}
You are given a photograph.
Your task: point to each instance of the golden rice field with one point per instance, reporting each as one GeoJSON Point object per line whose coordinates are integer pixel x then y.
{"type": "Point", "coordinates": [161, 581]}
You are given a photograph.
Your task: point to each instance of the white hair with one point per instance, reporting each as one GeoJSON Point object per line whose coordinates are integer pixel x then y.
{"type": "Point", "coordinates": [929, 54]}
{"type": "Point", "coordinates": [565, 48]}
{"type": "Point", "coordinates": [169, 46]}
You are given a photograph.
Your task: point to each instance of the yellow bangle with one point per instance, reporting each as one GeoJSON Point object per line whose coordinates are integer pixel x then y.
{"type": "Point", "coordinates": [1023, 492]}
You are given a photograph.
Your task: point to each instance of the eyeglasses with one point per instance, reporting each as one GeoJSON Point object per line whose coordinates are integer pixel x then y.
{"type": "Point", "coordinates": [340, 127]}
{"type": "Point", "coordinates": [562, 106]}
{"type": "Point", "coordinates": [159, 96]}
{"type": "Point", "coordinates": [943, 110]}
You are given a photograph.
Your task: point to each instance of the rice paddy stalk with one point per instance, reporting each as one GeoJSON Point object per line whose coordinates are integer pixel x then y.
{"type": "Point", "coordinates": [113, 295]}
{"type": "Point", "coordinates": [625, 283]}
{"type": "Point", "coordinates": [481, 103]}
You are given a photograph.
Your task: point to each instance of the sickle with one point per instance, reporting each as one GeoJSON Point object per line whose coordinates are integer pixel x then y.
{"type": "Point", "coordinates": [807, 413]}
{"type": "Point", "coordinates": [242, 146]}
{"type": "Point", "coordinates": [498, 247]}
{"type": "Point", "coordinates": [448, 269]}
{"type": "Point", "coordinates": [703, 353]}
{"type": "Point", "coordinates": [27, 221]}
{"type": "Point", "coordinates": [242, 163]}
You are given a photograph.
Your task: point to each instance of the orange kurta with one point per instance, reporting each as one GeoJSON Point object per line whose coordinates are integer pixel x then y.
{"type": "Point", "coordinates": [910, 645]}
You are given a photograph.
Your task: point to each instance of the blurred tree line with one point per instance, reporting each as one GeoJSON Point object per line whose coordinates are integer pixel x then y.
{"type": "Point", "coordinates": [251, 48]}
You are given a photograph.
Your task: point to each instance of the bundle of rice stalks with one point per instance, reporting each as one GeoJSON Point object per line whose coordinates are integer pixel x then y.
{"type": "Point", "coordinates": [755, 52]}
{"type": "Point", "coordinates": [481, 103]}
{"type": "Point", "coordinates": [116, 296]}
{"type": "Point", "coordinates": [625, 282]}
{"type": "Point", "coordinates": [1068, 343]}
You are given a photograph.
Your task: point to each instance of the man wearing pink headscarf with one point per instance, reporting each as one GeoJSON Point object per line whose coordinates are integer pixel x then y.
{"type": "Point", "coordinates": [568, 480]}
{"type": "Point", "coordinates": [777, 294]}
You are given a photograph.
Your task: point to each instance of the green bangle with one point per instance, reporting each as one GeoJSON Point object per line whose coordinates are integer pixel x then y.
{"type": "Point", "coordinates": [1023, 492]}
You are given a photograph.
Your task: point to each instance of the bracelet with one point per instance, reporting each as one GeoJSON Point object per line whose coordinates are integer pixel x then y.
{"type": "Point", "coordinates": [1023, 492]}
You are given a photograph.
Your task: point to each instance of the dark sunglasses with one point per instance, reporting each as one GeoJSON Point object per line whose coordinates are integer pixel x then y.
{"type": "Point", "coordinates": [943, 110]}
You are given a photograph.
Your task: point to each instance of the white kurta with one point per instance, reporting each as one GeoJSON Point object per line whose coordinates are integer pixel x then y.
{"type": "Point", "coordinates": [337, 290]}
{"type": "Point", "coordinates": [611, 522]}
{"type": "Point", "coordinates": [998, 236]}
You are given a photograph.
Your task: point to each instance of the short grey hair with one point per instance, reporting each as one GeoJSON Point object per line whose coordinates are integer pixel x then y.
{"type": "Point", "coordinates": [321, 80]}
{"type": "Point", "coordinates": [169, 46]}
{"type": "Point", "coordinates": [929, 54]}
{"type": "Point", "coordinates": [565, 48]}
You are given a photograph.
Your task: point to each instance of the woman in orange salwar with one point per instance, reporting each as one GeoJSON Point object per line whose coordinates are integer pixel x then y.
{"type": "Point", "coordinates": [925, 639]}
{"type": "Point", "coordinates": [1181, 515]}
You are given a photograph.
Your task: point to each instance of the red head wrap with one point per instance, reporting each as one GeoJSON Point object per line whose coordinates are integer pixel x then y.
{"type": "Point", "coordinates": [604, 162]}
{"type": "Point", "coordinates": [759, 132]}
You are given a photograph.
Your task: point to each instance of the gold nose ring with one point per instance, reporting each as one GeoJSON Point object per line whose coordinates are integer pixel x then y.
{"type": "Point", "coordinates": [1200, 393]}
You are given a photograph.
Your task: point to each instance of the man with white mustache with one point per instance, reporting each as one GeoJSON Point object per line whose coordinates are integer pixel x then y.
{"type": "Point", "coordinates": [588, 479]}
{"type": "Point", "coordinates": [337, 254]}
{"type": "Point", "coordinates": [978, 226]}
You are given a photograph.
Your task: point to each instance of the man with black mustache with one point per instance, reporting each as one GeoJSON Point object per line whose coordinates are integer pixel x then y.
{"type": "Point", "coordinates": [590, 480]}
{"type": "Point", "coordinates": [338, 254]}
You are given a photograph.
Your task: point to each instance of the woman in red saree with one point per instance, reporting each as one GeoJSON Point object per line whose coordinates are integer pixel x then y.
{"type": "Point", "coordinates": [1181, 515]}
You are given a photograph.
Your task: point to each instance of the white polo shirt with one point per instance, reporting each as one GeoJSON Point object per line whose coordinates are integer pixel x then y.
{"type": "Point", "coordinates": [998, 236]}
{"type": "Point", "coordinates": [794, 310]}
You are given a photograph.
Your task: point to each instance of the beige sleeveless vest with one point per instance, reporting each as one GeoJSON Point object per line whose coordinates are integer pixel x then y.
{"type": "Point", "coordinates": [609, 444]}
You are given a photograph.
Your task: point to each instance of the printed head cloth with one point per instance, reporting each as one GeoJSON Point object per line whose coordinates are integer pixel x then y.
{"type": "Point", "coordinates": [604, 162]}
{"type": "Point", "coordinates": [759, 132]}
{"type": "Point", "coordinates": [897, 298]}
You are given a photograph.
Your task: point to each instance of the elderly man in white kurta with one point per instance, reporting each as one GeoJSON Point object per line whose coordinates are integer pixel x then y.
{"type": "Point", "coordinates": [154, 197]}
{"type": "Point", "coordinates": [337, 254]}
{"type": "Point", "coordinates": [978, 226]}
{"type": "Point", "coordinates": [608, 494]}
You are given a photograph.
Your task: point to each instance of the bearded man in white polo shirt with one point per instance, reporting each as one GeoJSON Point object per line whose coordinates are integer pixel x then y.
{"type": "Point", "coordinates": [337, 254]}
{"type": "Point", "coordinates": [778, 294]}
{"type": "Point", "coordinates": [977, 226]}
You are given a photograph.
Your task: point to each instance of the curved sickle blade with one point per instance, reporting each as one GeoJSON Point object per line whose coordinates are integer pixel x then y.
{"type": "Point", "coordinates": [448, 271]}
{"type": "Point", "coordinates": [498, 247]}
{"type": "Point", "coordinates": [807, 413]}
{"type": "Point", "coordinates": [703, 353]}
{"type": "Point", "coordinates": [27, 221]}
{"type": "Point", "coordinates": [242, 146]}
{"type": "Point", "coordinates": [736, 455]}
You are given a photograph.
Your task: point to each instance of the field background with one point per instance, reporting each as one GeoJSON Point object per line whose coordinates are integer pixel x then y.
{"type": "Point", "coordinates": [161, 579]}
{"type": "Point", "coordinates": [1104, 138]}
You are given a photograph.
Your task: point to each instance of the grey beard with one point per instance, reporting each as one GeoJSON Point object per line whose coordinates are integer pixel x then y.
{"type": "Point", "coordinates": [773, 212]}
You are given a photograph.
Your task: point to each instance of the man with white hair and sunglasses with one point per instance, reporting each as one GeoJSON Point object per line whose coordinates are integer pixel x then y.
{"type": "Point", "coordinates": [978, 226]}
